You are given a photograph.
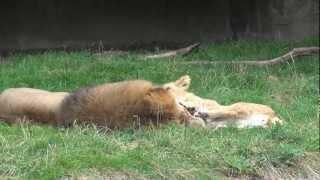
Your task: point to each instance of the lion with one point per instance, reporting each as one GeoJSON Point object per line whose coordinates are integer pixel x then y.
{"type": "Point", "coordinates": [241, 114]}
{"type": "Point", "coordinates": [124, 104]}
{"type": "Point", "coordinates": [116, 105]}
{"type": "Point", "coordinates": [34, 105]}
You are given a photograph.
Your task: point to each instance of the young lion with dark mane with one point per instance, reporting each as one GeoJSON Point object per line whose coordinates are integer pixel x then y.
{"type": "Point", "coordinates": [114, 105]}
{"type": "Point", "coordinates": [123, 105]}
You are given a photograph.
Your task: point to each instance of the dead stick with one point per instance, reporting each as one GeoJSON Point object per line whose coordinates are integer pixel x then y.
{"type": "Point", "coordinates": [296, 52]}
{"type": "Point", "coordinates": [182, 51]}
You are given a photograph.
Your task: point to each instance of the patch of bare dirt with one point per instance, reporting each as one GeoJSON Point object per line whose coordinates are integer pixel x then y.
{"type": "Point", "coordinates": [306, 168]}
{"type": "Point", "coordinates": [104, 175]}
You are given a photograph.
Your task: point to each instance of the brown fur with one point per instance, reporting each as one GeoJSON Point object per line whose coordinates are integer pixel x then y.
{"type": "Point", "coordinates": [32, 104]}
{"type": "Point", "coordinates": [122, 105]}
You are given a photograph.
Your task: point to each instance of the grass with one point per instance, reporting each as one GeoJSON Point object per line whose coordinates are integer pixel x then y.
{"type": "Point", "coordinates": [292, 150]}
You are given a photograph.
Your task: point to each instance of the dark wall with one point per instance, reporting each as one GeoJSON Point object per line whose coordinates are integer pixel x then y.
{"type": "Point", "coordinates": [38, 24]}
{"type": "Point", "coordinates": [43, 24]}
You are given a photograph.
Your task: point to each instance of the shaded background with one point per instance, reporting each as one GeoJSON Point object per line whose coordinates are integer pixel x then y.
{"type": "Point", "coordinates": [77, 24]}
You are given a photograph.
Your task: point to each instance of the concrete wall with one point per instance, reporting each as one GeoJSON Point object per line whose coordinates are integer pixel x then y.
{"type": "Point", "coordinates": [294, 19]}
{"type": "Point", "coordinates": [43, 24]}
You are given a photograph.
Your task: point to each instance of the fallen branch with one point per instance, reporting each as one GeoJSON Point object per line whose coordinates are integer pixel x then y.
{"type": "Point", "coordinates": [3, 60]}
{"type": "Point", "coordinates": [296, 52]}
{"type": "Point", "coordinates": [182, 51]}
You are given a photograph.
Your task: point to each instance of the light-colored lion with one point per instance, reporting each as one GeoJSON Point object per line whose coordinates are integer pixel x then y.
{"type": "Point", "coordinates": [35, 105]}
{"type": "Point", "coordinates": [240, 114]}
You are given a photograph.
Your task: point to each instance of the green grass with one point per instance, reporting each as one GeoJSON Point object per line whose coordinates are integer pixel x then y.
{"type": "Point", "coordinates": [171, 152]}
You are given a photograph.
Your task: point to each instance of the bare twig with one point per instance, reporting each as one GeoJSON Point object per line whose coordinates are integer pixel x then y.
{"type": "Point", "coordinates": [182, 51]}
{"type": "Point", "coordinates": [296, 52]}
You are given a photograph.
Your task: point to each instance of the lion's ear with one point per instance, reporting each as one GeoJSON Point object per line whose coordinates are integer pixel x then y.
{"type": "Point", "coordinates": [183, 82]}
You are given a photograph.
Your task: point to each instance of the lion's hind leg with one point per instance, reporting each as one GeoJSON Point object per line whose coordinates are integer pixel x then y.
{"type": "Point", "coordinates": [239, 119]}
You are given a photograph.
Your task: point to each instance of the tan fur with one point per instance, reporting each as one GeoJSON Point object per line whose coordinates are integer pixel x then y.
{"type": "Point", "coordinates": [240, 114]}
{"type": "Point", "coordinates": [123, 105]}
{"type": "Point", "coordinates": [32, 104]}
{"type": "Point", "coordinates": [179, 90]}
